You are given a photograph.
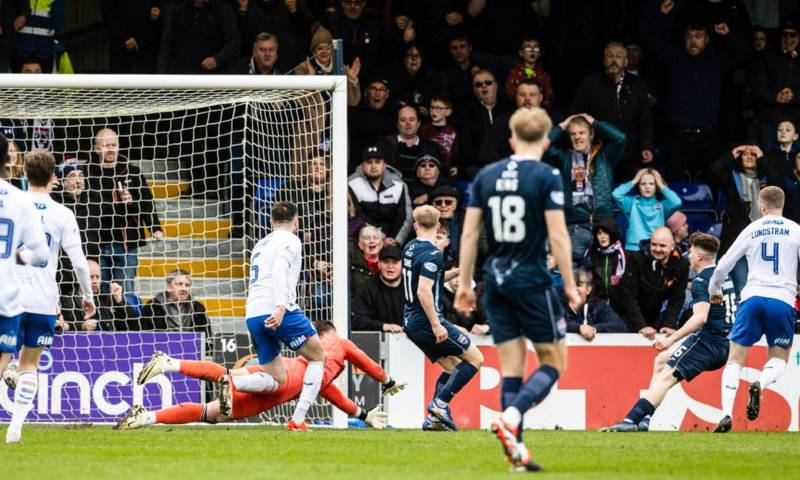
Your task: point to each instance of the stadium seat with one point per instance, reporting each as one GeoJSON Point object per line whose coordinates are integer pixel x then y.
{"type": "Point", "coordinates": [715, 229]}
{"type": "Point", "coordinates": [701, 221]}
{"type": "Point", "coordinates": [463, 187]}
{"type": "Point", "coordinates": [695, 196]}
{"type": "Point", "coordinates": [266, 189]}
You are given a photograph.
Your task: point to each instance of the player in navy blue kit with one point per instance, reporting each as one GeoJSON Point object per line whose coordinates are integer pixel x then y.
{"type": "Point", "coordinates": [443, 343]}
{"type": "Point", "coordinates": [706, 346]}
{"type": "Point", "coordinates": [520, 201]}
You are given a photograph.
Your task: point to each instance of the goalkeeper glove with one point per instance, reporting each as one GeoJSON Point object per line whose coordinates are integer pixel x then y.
{"type": "Point", "coordinates": [376, 418]}
{"type": "Point", "coordinates": [392, 387]}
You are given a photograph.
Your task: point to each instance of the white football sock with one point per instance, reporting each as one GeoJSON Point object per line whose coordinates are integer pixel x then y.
{"type": "Point", "coordinates": [172, 365]}
{"type": "Point", "coordinates": [512, 416]}
{"type": "Point", "coordinates": [730, 383]}
{"type": "Point", "coordinates": [771, 372]}
{"type": "Point", "coordinates": [24, 394]}
{"type": "Point", "coordinates": [312, 381]}
{"type": "Point", "coordinates": [149, 418]}
{"type": "Point", "coordinates": [255, 382]}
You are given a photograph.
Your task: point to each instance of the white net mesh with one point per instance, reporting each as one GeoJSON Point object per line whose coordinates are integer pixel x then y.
{"type": "Point", "coordinates": [212, 162]}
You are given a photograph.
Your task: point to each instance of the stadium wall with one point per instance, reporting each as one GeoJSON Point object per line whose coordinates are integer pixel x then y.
{"type": "Point", "coordinates": [603, 379]}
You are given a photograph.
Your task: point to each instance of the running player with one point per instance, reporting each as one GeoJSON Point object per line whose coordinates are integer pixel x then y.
{"type": "Point", "coordinates": [273, 316]}
{"type": "Point", "coordinates": [239, 405]}
{"type": "Point", "coordinates": [706, 346]}
{"type": "Point", "coordinates": [439, 340]}
{"type": "Point", "coordinates": [520, 202]}
{"type": "Point", "coordinates": [21, 240]}
{"type": "Point", "coordinates": [771, 245]}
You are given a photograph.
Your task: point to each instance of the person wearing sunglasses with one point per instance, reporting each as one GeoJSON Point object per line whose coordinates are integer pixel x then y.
{"type": "Point", "coordinates": [485, 108]}
{"type": "Point", "coordinates": [429, 178]}
{"type": "Point", "coordinates": [446, 199]}
{"type": "Point", "coordinates": [495, 146]}
{"type": "Point", "coordinates": [530, 51]}
{"type": "Point", "coordinates": [776, 83]}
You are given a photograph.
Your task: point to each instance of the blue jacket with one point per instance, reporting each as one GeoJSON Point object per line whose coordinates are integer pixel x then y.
{"type": "Point", "coordinates": [644, 214]}
{"type": "Point", "coordinates": [597, 314]}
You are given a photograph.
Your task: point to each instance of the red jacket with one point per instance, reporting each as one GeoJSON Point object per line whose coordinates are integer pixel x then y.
{"type": "Point", "coordinates": [521, 72]}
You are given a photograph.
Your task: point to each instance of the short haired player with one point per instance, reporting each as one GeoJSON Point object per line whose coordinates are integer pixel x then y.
{"type": "Point", "coordinates": [771, 245]}
{"type": "Point", "coordinates": [273, 316]}
{"type": "Point", "coordinates": [520, 200]}
{"type": "Point", "coordinates": [700, 345]}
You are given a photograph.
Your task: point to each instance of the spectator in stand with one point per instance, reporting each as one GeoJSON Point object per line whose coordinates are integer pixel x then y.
{"type": "Point", "coordinates": [495, 144]}
{"type": "Point", "coordinates": [443, 135]}
{"type": "Point", "coordinates": [791, 186]}
{"type": "Point", "coordinates": [374, 118]}
{"type": "Point", "coordinates": [474, 323]}
{"type": "Point", "coordinates": [14, 172]}
{"type": "Point", "coordinates": [264, 58]}
{"type": "Point", "coordinates": [617, 97]}
{"type": "Point", "coordinates": [85, 204]}
{"type": "Point", "coordinates": [113, 313]}
{"type": "Point", "coordinates": [364, 256]}
{"type": "Point", "coordinates": [13, 17]}
{"type": "Point", "coordinates": [429, 178]}
{"type": "Point", "coordinates": [321, 63]}
{"type": "Point", "coordinates": [446, 199]}
{"type": "Point", "coordinates": [741, 174]}
{"type": "Point", "coordinates": [678, 224]}
{"type": "Point", "coordinates": [288, 20]}
{"type": "Point", "coordinates": [432, 23]}
{"type": "Point", "coordinates": [647, 210]}
{"type": "Point", "coordinates": [781, 155]}
{"type": "Point", "coordinates": [759, 38]}
{"type": "Point", "coordinates": [501, 25]}
{"type": "Point", "coordinates": [458, 71]}
{"type": "Point", "coordinates": [776, 84]}
{"type": "Point", "coordinates": [200, 36]}
{"type": "Point", "coordinates": [416, 82]}
{"type": "Point", "coordinates": [608, 259]}
{"type": "Point", "coordinates": [378, 304]}
{"type": "Point", "coordinates": [593, 315]}
{"type": "Point", "coordinates": [531, 52]}
{"type": "Point", "coordinates": [587, 171]}
{"type": "Point", "coordinates": [405, 147]}
{"type": "Point", "coordinates": [31, 66]}
{"type": "Point", "coordinates": [126, 208]}
{"type": "Point", "coordinates": [364, 36]}
{"type": "Point", "coordinates": [381, 196]}
{"type": "Point", "coordinates": [355, 223]}
{"type": "Point", "coordinates": [135, 32]}
{"type": "Point", "coordinates": [36, 37]}
{"type": "Point", "coordinates": [652, 292]}
{"type": "Point", "coordinates": [174, 310]}
{"type": "Point", "coordinates": [477, 118]}
{"type": "Point", "coordinates": [695, 79]}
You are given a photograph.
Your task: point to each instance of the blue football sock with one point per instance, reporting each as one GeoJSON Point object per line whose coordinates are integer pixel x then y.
{"type": "Point", "coordinates": [461, 375]}
{"type": "Point", "coordinates": [510, 390]}
{"type": "Point", "coordinates": [440, 383]}
{"type": "Point", "coordinates": [535, 388]}
{"type": "Point", "coordinates": [641, 409]}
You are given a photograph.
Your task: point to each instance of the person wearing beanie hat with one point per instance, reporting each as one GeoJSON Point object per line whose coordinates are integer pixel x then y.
{"type": "Point", "coordinates": [428, 178]}
{"type": "Point", "coordinates": [321, 63]}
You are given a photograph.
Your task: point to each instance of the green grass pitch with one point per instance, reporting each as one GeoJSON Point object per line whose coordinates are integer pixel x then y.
{"type": "Point", "coordinates": [260, 452]}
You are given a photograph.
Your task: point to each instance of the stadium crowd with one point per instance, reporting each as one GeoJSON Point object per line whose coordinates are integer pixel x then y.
{"type": "Point", "coordinates": [669, 117]}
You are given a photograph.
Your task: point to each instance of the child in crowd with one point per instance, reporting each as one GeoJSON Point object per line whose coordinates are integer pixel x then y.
{"type": "Point", "coordinates": [441, 134]}
{"type": "Point", "coordinates": [781, 155]}
{"type": "Point", "coordinates": [531, 52]}
{"type": "Point", "coordinates": [649, 209]}
{"type": "Point", "coordinates": [607, 259]}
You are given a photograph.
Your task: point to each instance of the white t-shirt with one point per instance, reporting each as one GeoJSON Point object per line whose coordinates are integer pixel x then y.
{"type": "Point", "coordinates": [274, 272]}
{"type": "Point", "coordinates": [19, 225]}
{"type": "Point", "coordinates": [771, 245]}
{"type": "Point", "coordinates": [39, 290]}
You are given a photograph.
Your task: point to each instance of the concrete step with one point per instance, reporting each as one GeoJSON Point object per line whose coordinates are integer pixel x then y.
{"type": "Point", "coordinates": [228, 324]}
{"type": "Point", "coordinates": [160, 169]}
{"type": "Point", "coordinates": [197, 228]}
{"type": "Point", "coordinates": [194, 248]}
{"type": "Point", "coordinates": [167, 188]}
{"type": "Point", "coordinates": [191, 208]}
{"type": "Point", "coordinates": [199, 267]}
{"type": "Point", "coordinates": [201, 287]}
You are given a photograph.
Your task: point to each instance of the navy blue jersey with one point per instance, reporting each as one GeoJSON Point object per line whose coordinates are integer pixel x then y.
{"type": "Point", "coordinates": [513, 194]}
{"type": "Point", "coordinates": [421, 258]}
{"type": "Point", "coordinates": [720, 317]}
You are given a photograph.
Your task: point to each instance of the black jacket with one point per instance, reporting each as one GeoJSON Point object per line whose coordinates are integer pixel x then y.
{"type": "Point", "coordinates": [737, 215]}
{"type": "Point", "coordinates": [192, 34]}
{"type": "Point", "coordinates": [86, 208]}
{"type": "Point", "coordinates": [376, 303]}
{"type": "Point", "coordinates": [597, 314]}
{"type": "Point", "coordinates": [161, 315]}
{"type": "Point", "coordinates": [606, 262]}
{"type": "Point", "coordinates": [131, 19]}
{"type": "Point", "coordinates": [292, 29]}
{"type": "Point", "coordinates": [773, 70]}
{"type": "Point", "coordinates": [111, 316]}
{"type": "Point", "coordinates": [122, 223]}
{"type": "Point", "coordinates": [647, 284]}
{"type": "Point", "coordinates": [9, 11]}
{"type": "Point", "coordinates": [475, 123]}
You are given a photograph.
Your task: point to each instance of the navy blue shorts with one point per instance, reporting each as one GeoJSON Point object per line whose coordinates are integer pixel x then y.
{"type": "Point", "coordinates": [9, 330]}
{"type": "Point", "coordinates": [758, 316]}
{"type": "Point", "coordinates": [422, 336]}
{"type": "Point", "coordinates": [36, 330]}
{"type": "Point", "coordinates": [533, 314]}
{"type": "Point", "coordinates": [294, 331]}
{"type": "Point", "coordinates": [696, 356]}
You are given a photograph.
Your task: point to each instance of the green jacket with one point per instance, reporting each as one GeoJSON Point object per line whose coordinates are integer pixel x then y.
{"type": "Point", "coordinates": [603, 157]}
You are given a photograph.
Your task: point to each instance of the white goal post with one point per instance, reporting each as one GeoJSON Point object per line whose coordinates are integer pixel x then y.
{"type": "Point", "coordinates": [215, 152]}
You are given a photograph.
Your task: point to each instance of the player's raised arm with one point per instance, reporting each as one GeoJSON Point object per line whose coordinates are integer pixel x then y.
{"type": "Point", "coordinates": [561, 249]}
{"type": "Point", "coordinates": [465, 296]}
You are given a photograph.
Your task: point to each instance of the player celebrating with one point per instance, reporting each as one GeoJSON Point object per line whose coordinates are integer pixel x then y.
{"type": "Point", "coordinates": [21, 240]}
{"type": "Point", "coordinates": [273, 315]}
{"type": "Point", "coordinates": [522, 199]}
{"type": "Point", "coordinates": [443, 343]}
{"type": "Point", "coordinates": [703, 351]}
{"type": "Point", "coordinates": [771, 245]}
{"type": "Point", "coordinates": [241, 405]}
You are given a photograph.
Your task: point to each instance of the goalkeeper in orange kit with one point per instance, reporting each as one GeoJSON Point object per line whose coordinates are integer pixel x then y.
{"type": "Point", "coordinates": [235, 405]}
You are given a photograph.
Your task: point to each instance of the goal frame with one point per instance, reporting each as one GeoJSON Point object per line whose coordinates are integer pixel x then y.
{"type": "Point", "coordinates": [335, 84]}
